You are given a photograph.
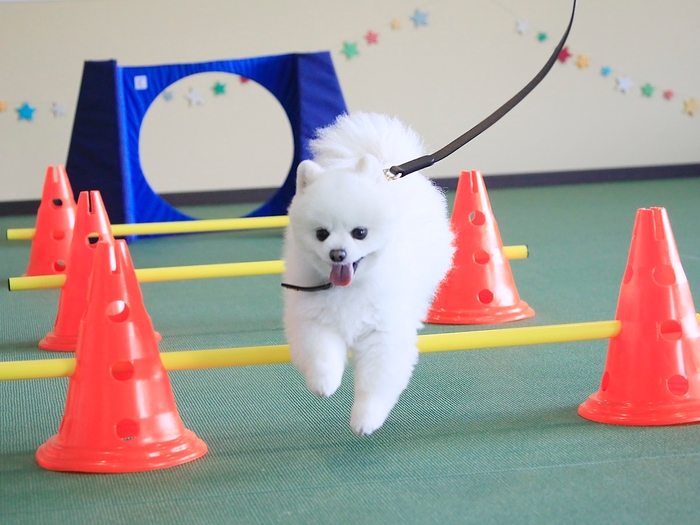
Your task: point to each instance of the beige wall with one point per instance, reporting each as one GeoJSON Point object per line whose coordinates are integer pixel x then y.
{"type": "Point", "coordinates": [441, 79]}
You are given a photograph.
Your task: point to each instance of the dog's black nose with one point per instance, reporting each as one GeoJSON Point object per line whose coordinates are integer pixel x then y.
{"type": "Point", "coordinates": [338, 255]}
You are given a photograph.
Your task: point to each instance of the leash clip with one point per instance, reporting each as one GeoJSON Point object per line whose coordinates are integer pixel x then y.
{"type": "Point", "coordinates": [391, 176]}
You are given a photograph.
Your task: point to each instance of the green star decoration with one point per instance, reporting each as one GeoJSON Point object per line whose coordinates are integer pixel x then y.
{"type": "Point", "coordinates": [541, 37]}
{"type": "Point", "coordinates": [647, 90]}
{"type": "Point", "coordinates": [350, 49]}
{"type": "Point", "coordinates": [219, 88]}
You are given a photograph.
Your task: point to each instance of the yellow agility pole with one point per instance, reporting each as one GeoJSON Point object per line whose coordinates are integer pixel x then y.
{"type": "Point", "coordinates": [163, 228]}
{"type": "Point", "coordinates": [267, 355]}
{"type": "Point", "coordinates": [202, 271]}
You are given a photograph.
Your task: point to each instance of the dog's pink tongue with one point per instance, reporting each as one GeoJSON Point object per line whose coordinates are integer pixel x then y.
{"type": "Point", "coordinates": [341, 274]}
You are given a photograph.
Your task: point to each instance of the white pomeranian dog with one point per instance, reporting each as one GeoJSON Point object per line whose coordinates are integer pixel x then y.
{"type": "Point", "coordinates": [363, 258]}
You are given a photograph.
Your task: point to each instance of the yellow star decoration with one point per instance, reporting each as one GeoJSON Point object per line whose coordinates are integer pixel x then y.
{"type": "Point", "coordinates": [583, 62]}
{"type": "Point", "coordinates": [396, 23]}
{"type": "Point", "coordinates": [690, 106]}
{"type": "Point", "coordinates": [3, 106]}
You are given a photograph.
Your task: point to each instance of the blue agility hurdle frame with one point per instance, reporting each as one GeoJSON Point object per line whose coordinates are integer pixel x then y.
{"type": "Point", "coordinates": [113, 101]}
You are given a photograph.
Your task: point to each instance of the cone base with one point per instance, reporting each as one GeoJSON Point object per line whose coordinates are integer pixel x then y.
{"type": "Point", "coordinates": [682, 412]}
{"type": "Point", "coordinates": [493, 315]}
{"type": "Point", "coordinates": [54, 342]}
{"type": "Point", "coordinates": [130, 457]}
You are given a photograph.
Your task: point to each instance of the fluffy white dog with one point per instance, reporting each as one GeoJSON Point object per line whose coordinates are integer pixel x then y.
{"type": "Point", "coordinates": [381, 247]}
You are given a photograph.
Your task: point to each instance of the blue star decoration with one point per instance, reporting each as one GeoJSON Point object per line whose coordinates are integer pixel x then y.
{"type": "Point", "coordinates": [168, 95]}
{"type": "Point", "coordinates": [605, 71]}
{"type": "Point", "coordinates": [420, 18]}
{"type": "Point", "coordinates": [26, 112]}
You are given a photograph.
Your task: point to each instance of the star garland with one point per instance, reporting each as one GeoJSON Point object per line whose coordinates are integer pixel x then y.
{"type": "Point", "coordinates": [418, 20]}
{"type": "Point", "coordinates": [350, 49]}
{"type": "Point", "coordinates": [623, 83]}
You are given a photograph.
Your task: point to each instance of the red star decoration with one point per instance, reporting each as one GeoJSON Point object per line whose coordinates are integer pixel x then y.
{"type": "Point", "coordinates": [564, 55]}
{"type": "Point", "coordinates": [669, 94]}
{"type": "Point", "coordinates": [244, 80]}
{"type": "Point", "coordinates": [371, 37]}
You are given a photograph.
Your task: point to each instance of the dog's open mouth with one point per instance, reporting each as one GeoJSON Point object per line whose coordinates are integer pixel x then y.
{"type": "Point", "coordinates": [342, 274]}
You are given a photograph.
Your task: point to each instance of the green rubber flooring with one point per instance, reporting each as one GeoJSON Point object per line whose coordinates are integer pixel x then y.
{"type": "Point", "coordinates": [484, 436]}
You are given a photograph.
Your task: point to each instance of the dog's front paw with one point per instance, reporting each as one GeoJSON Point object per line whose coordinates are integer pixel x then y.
{"type": "Point", "coordinates": [367, 417]}
{"type": "Point", "coordinates": [323, 384]}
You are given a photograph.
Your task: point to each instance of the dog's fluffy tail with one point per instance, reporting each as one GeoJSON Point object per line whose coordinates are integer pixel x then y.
{"type": "Point", "coordinates": [351, 137]}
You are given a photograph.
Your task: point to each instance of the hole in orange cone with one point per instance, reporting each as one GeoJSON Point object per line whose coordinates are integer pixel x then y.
{"type": "Point", "coordinates": [127, 429]}
{"type": "Point", "coordinates": [58, 235]}
{"type": "Point", "coordinates": [671, 330]}
{"type": "Point", "coordinates": [122, 370]}
{"type": "Point", "coordinates": [481, 257]}
{"type": "Point", "coordinates": [477, 218]}
{"type": "Point", "coordinates": [57, 202]}
{"type": "Point", "coordinates": [628, 275]}
{"type": "Point", "coordinates": [117, 311]}
{"type": "Point", "coordinates": [605, 382]}
{"type": "Point", "coordinates": [92, 239]}
{"type": "Point", "coordinates": [677, 385]}
{"type": "Point", "coordinates": [485, 296]}
{"type": "Point", "coordinates": [664, 275]}
{"type": "Point", "coordinates": [59, 266]}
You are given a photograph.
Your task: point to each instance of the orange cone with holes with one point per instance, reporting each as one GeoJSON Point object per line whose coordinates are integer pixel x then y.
{"type": "Point", "coordinates": [652, 371]}
{"type": "Point", "coordinates": [120, 413]}
{"type": "Point", "coordinates": [91, 219]}
{"type": "Point", "coordinates": [54, 225]}
{"type": "Point", "coordinates": [479, 289]}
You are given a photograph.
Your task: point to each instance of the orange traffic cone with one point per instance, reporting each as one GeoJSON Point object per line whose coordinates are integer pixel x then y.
{"type": "Point", "coordinates": [652, 371]}
{"type": "Point", "coordinates": [479, 289]}
{"type": "Point", "coordinates": [54, 225]}
{"type": "Point", "coordinates": [120, 413]}
{"type": "Point", "coordinates": [91, 218]}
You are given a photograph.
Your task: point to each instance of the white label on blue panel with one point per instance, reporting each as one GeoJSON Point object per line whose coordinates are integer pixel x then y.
{"type": "Point", "coordinates": [141, 82]}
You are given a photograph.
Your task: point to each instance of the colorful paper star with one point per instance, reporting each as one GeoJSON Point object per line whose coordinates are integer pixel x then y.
{"type": "Point", "coordinates": [420, 18]}
{"type": "Point", "coordinates": [395, 23]}
{"type": "Point", "coordinates": [624, 84]}
{"type": "Point", "coordinates": [371, 37]}
{"type": "Point", "coordinates": [3, 106]}
{"type": "Point", "coordinates": [522, 27]}
{"type": "Point", "coordinates": [350, 49]}
{"type": "Point", "coordinates": [564, 55]}
{"type": "Point", "coordinates": [669, 94]}
{"type": "Point", "coordinates": [195, 97]}
{"type": "Point", "coordinates": [168, 95]}
{"type": "Point", "coordinates": [26, 112]}
{"type": "Point", "coordinates": [245, 80]}
{"type": "Point", "coordinates": [219, 88]}
{"type": "Point", "coordinates": [647, 90]}
{"type": "Point", "coordinates": [583, 62]}
{"type": "Point", "coordinates": [541, 36]}
{"type": "Point", "coordinates": [58, 109]}
{"type": "Point", "coordinates": [691, 106]}
{"type": "Point", "coordinates": [605, 71]}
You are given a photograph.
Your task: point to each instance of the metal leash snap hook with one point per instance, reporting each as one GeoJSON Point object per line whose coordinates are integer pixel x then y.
{"type": "Point", "coordinates": [391, 176]}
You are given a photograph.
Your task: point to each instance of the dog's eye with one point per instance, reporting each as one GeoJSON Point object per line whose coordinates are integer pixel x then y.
{"type": "Point", "coordinates": [359, 233]}
{"type": "Point", "coordinates": [322, 234]}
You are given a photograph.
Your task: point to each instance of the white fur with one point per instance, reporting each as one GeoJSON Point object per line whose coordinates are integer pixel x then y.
{"type": "Point", "coordinates": [406, 253]}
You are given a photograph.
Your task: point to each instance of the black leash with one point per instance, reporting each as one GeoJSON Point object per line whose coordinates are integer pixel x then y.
{"type": "Point", "coordinates": [318, 288]}
{"type": "Point", "coordinates": [396, 172]}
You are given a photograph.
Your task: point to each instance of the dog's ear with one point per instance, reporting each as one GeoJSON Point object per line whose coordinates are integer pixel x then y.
{"type": "Point", "coordinates": [368, 166]}
{"type": "Point", "coordinates": [307, 172]}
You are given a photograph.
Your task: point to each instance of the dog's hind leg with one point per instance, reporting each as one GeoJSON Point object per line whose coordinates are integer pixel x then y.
{"type": "Point", "coordinates": [383, 367]}
{"type": "Point", "coordinates": [320, 355]}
